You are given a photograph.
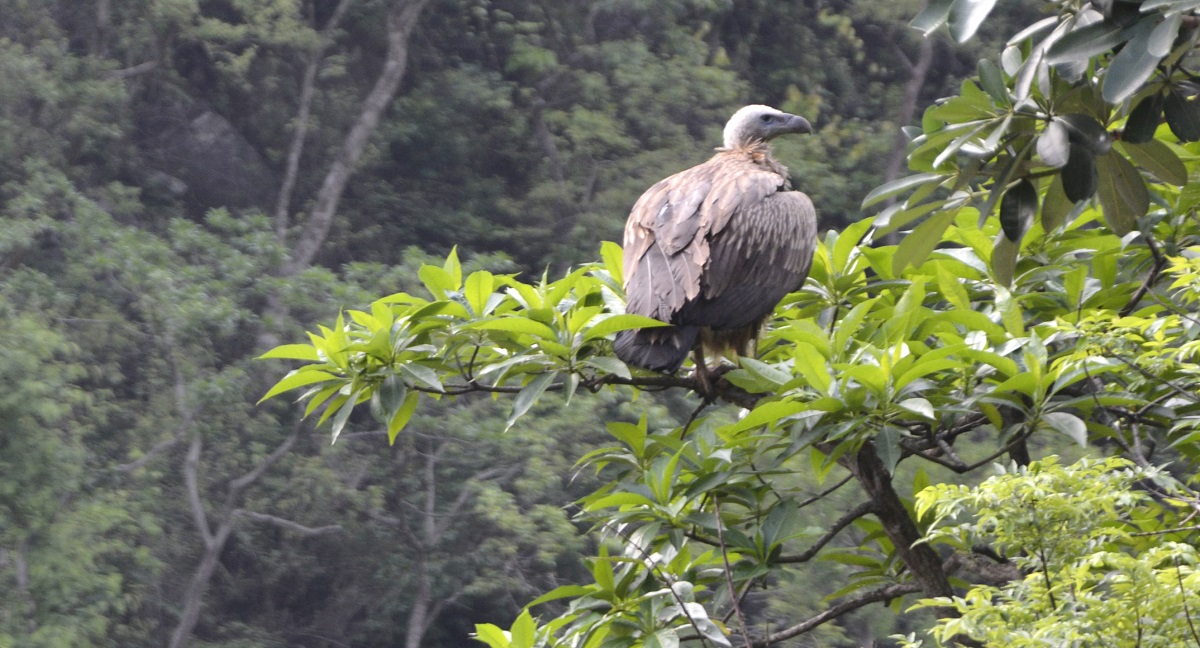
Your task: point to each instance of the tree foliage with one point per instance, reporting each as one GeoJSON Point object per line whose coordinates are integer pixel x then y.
{"type": "Point", "coordinates": [1044, 288]}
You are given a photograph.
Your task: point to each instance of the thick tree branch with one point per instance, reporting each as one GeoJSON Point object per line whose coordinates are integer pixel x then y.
{"type": "Point", "coordinates": [873, 475]}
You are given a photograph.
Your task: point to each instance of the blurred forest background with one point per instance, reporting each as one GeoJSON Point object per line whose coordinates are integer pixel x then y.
{"type": "Point", "coordinates": [186, 183]}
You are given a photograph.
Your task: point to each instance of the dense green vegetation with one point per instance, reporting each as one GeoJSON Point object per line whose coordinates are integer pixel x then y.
{"type": "Point", "coordinates": [186, 184]}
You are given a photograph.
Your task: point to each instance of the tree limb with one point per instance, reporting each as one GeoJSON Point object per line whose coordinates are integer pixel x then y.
{"type": "Point", "coordinates": [401, 21]}
{"type": "Point", "coordinates": [190, 465]}
{"type": "Point", "coordinates": [292, 169]}
{"type": "Point", "coordinates": [288, 524]}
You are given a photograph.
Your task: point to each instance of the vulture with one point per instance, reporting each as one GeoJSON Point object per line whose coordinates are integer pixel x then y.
{"type": "Point", "coordinates": [712, 249]}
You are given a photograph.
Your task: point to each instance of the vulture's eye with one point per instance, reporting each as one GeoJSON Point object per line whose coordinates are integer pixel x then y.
{"type": "Point", "coordinates": [767, 118]}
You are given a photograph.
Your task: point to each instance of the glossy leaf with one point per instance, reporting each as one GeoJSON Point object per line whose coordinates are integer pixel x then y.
{"type": "Point", "coordinates": [1158, 158]}
{"type": "Point", "coordinates": [1164, 34]}
{"type": "Point", "coordinates": [1017, 210]}
{"type": "Point", "coordinates": [917, 245]}
{"type": "Point", "coordinates": [1144, 120]}
{"type": "Point", "coordinates": [992, 80]}
{"type": "Point", "coordinates": [887, 446]}
{"type": "Point", "coordinates": [528, 396]}
{"type": "Point", "coordinates": [1132, 67]}
{"type": "Point", "coordinates": [1004, 259]}
{"type": "Point", "coordinates": [1122, 192]}
{"type": "Point", "coordinates": [1085, 42]}
{"type": "Point", "coordinates": [966, 16]}
{"type": "Point", "coordinates": [1183, 116]}
{"type": "Point", "coordinates": [1053, 145]}
{"type": "Point", "coordinates": [1087, 132]}
{"type": "Point", "coordinates": [897, 186]}
{"type": "Point", "coordinates": [1055, 206]}
{"type": "Point", "coordinates": [933, 16]}
{"type": "Point", "coordinates": [1079, 176]}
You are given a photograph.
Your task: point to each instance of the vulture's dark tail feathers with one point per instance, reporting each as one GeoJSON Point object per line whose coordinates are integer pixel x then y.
{"type": "Point", "coordinates": [657, 349]}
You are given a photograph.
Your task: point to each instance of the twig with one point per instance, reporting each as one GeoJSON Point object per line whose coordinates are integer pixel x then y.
{"type": "Point", "coordinates": [846, 520]}
{"type": "Point", "coordinates": [1183, 598]}
{"type": "Point", "coordinates": [1167, 531]}
{"type": "Point", "coordinates": [885, 593]}
{"type": "Point", "coordinates": [733, 596]}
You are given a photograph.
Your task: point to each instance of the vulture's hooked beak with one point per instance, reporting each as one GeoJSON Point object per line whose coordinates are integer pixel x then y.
{"type": "Point", "coordinates": [798, 124]}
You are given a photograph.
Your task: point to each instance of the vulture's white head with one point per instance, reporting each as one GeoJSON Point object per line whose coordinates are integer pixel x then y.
{"type": "Point", "coordinates": [757, 123]}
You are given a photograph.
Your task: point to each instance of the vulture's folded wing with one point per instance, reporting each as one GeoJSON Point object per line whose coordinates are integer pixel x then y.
{"type": "Point", "coordinates": [671, 229]}
{"type": "Point", "coordinates": [762, 254]}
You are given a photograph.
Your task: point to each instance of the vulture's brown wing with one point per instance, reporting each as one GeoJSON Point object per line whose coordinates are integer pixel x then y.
{"type": "Point", "coordinates": [763, 253]}
{"type": "Point", "coordinates": [669, 231]}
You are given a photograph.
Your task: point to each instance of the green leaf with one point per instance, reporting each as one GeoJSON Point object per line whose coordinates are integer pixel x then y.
{"type": "Point", "coordinates": [292, 352]}
{"type": "Point", "coordinates": [952, 289]}
{"type": "Point", "coordinates": [1004, 259]}
{"type": "Point", "coordinates": [614, 260]}
{"type": "Point", "coordinates": [664, 638]}
{"type": "Point", "coordinates": [515, 324]}
{"type": "Point", "coordinates": [343, 415]}
{"type": "Point", "coordinates": [609, 365]}
{"type": "Point", "coordinates": [1068, 424]}
{"type": "Point", "coordinates": [523, 630]}
{"type": "Point", "coordinates": [491, 635]}
{"type": "Point", "coordinates": [1158, 158]}
{"type": "Point", "coordinates": [1079, 176]}
{"type": "Point", "coordinates": [920, 406]}
{"type": "Point", "coordinates": [1017, 209]}
{"type": "Point", "coordinates": [1086, 131]}
{"type": "Point", "coordinates": [1085, 42]}
{"type": "Point", "coordinates": [528, 396]}
{"type": "Point", "coordinates": [1123, 193]}
{"type": "Point", "coordinates": [1132, 66]}
{"type": "Point", "coordinates": [402, 416]}
{"type": "Point", "coordinates": [297, 378]}
{"type": "Point", "coordinates": [966, 16]}
{"type": "Point", "coordinates": [769, 373]}
{"type": "Point", "coordinates": [917, 245]}
{"type": "Point", "coordinates": [887, 446]}
{"type": "Point", "coordinates": [898, 186]}
{"type": "Point", "coordinates": [453, 268]}
{"type": "Point", "coordinates": [437, 280]}
{"type": "Point", "coordinates": [1053, 145]}
{"type": "Point", "coordinates": [1055, 206]}
{"type": "Point", "coordinates": [477, 291]}
{"type": "Point", "coordinates": [992, 80]}
{"type": "Point", "coordinates": [418, 374]}
{"type": "Point", "coordinates": [614, 323]}
{"type": "Point", "coordinates": [1143, 121]}
{"type": "Point", "coordinates": [1164, 35]}
{"type": "Point", "coordinates": [932, 16]}
{"type": "Point", "coordinates": [1183, 115]}
{"type": "Point", "coordinates": [561, 592]}
{"type": "Point", "coordinates": [811, 364]}
{"type": "Point", "coordinates": [767, 413]}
